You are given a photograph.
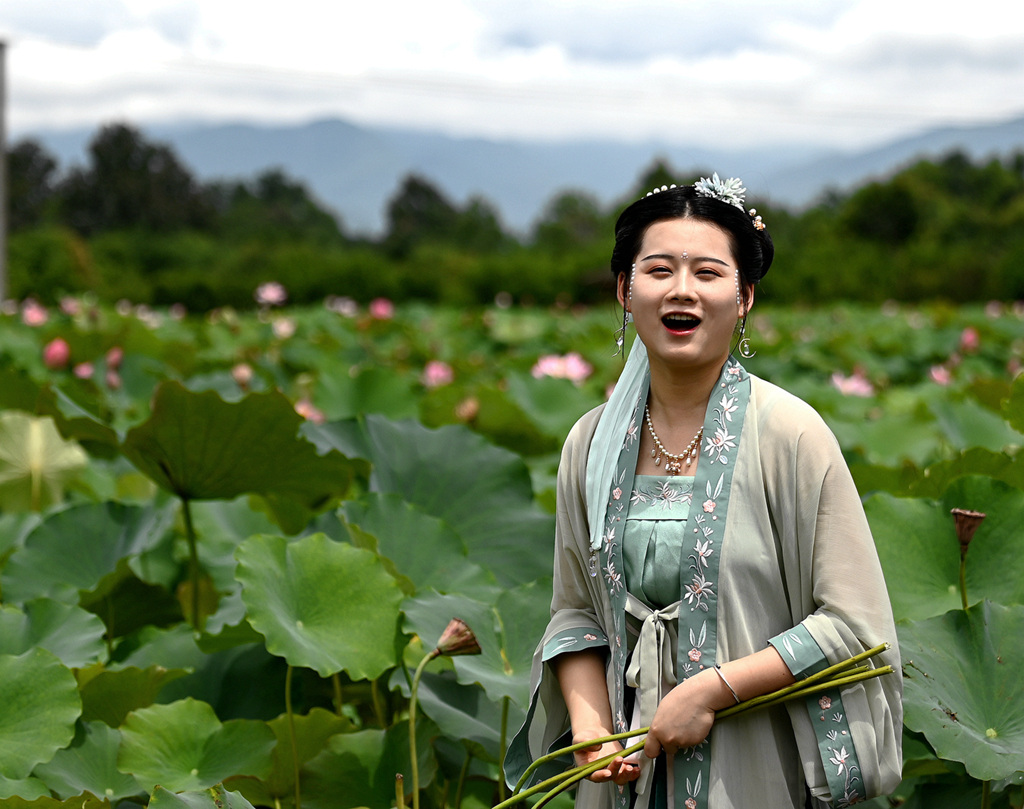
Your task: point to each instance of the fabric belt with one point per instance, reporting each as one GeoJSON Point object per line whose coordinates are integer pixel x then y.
{"type": "Point", "coordinates": [652, 672]}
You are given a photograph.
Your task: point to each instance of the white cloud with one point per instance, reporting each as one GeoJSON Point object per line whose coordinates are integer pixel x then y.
{"type": "Point", "coordinates": [733, 72]}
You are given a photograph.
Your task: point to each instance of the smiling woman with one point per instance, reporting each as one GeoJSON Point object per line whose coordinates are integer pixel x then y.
{"type": "Point", "coordinates": [742, 564]}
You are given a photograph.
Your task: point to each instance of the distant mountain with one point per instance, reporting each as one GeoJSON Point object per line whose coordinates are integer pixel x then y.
{"type": "Point", "coordinates": [355, 169]}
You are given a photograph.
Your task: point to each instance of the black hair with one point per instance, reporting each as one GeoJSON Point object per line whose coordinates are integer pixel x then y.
{"type": "Point", "coordinates": [752, 248]}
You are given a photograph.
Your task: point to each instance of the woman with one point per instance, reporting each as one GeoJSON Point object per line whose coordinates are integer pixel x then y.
{"type": "Point", "coordinates": [710, 547]}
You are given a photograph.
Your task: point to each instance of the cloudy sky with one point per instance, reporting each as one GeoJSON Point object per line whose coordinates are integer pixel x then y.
{"type": "Point", "coordinates": [735, 73]}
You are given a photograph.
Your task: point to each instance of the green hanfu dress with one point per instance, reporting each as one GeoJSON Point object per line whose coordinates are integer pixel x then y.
{"type": "Point", "coordinates": [775, 549]}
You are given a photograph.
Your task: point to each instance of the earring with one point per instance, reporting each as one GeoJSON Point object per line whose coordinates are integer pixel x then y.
{"type": "Point", "coordinates": [743, 346]}
{"type": "Point", "coordinates": [620, 333]}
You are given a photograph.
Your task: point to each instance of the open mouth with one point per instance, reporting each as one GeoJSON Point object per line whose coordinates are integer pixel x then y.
{"type": "Point", "coordinates": [680, 322]}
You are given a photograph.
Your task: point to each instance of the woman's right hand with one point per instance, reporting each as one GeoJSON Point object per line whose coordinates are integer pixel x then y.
{"type": "Point", "coordinates": [619, 770]}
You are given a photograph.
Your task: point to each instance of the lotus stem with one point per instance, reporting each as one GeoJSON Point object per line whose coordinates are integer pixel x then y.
{"type": "Point", "coordinates": [399, 791]}
{"type": "Point", "coordinates": [412, 726]}
{"type": "Point", "coordinates": [986, 791]}
{"type": "Point", "coordinates": [462, 780]}
{"type": "Point", "coordinates": [502, 794]}
{"type": "Point", "coordinates": [963, 577]}
{"type": "Point", "coordinates": [296, 766]}
{"type": "Point", "coordinates": [838, 675]}
{"type": "Point", "coordinates": [193, 561]}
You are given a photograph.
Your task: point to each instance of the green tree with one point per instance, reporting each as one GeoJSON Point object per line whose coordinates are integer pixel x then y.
{"type": "Point", "coordinates": [418, 213]}
{"type": "Point", "coordinates": [30, 182]}
{"type": "Point", "coordinates": [132, 183]}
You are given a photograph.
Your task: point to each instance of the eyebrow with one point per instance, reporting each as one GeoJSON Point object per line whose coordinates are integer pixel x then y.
{"type": "Point", "coordinates": [699, 259]}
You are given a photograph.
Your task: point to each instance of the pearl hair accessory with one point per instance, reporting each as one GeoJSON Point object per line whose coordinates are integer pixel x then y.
{"type": "Point", "coordinates": [675, 463]}
{"type": "Point", "coordinates": [729, 191]}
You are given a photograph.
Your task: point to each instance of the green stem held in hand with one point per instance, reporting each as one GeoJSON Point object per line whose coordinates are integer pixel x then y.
{"type": "Point", "coordinates": [838, 675]}
{"type": "Point", "coordinates": [296, 766]}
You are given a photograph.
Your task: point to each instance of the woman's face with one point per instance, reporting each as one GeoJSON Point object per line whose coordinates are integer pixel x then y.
{"type": "Point", "coordinates": [683, 294]}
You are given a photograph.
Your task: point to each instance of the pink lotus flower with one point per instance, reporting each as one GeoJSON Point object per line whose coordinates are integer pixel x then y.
{"type": "Point", "coordinates": [114, 357]}
{"type": "Point", "coordinates": [382, 309]}
{"type": "Point", "coordinates": [33, 313]}
{"type": "Point", "coordinates": [284, 328]}
{"type": "Point", "coordinates": [437, 373]}
{"type": "Point", "coordinates": [308, 411]}
{"type": "Point", "coordinates": [70, 306]}
{"type": "Point", "coordinates": [940, 375]}
{"type": "Point", "coordinates": [242, 374]}
{"type": "Point", "coordinates": [270, 294]}
{"type": "Point", "coordinates": [572, 366]}
{"type": "Point", "coordinates": [854, 385]}
{"type": "Point", "coordinates": [56, 354]}
{"type": "Point", "coordinates": [84, 370]}
{"type": "Point", "coordinates": [970, 340]}
{"type": "Point", "coordinates": [341, 305]}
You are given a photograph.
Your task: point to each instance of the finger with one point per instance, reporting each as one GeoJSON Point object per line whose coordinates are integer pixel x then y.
{"type": "Point", "coordinates": [652, 747]}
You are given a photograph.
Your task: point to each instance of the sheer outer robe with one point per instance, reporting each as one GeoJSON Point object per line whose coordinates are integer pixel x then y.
{"type": "Point", "coordinates": [797, 550]}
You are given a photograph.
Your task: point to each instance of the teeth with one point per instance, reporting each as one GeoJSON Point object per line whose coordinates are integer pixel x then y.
{"type": "Point", "coordinates": [679, 322]}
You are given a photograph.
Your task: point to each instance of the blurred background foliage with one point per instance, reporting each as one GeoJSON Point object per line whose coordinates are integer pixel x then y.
{"type": "Point", "coordinates": [134, 223]}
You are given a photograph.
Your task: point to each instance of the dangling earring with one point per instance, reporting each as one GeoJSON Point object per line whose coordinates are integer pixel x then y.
{"type": "Point", "coordinates": [743, 346]}
{"type": "Point", "coordinates": [620, 333]}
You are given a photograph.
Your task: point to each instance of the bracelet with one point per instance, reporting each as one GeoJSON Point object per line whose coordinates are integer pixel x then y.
{"type": "Point", "coordinates": [718, 670]}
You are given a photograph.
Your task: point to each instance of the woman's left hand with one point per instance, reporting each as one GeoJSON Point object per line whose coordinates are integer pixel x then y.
{"type": "Point", "coordinates": [684, 717]}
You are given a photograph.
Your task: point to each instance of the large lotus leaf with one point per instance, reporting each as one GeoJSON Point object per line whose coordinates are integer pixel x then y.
{"type": "Point", "coordinates": [339, 395]}
{"type": "Point", "coordinates": [481, 491]}
{"type": "Point", "coordinates": [216, 797]}
{"type": "Point", "coordinates": [508, 632]}
{"type": "Point", "coordinates": [962, 686]}
{"type": "Point", "coordinates": [890, 440]}
{"type": "Point", "coordinates": [358, 769]}
{"type": "Point", "coordinates": [13, 530]}
{"type": "Point", "coordinates": [969, 424]}
{"type": "Point", "coordinates": [71, 633]}
{"type": "Point", "coordinates": [203, 448]}
{"type": "Point", "coordinates": [89, 764]}
{"type": "Point", "coordinates": [311, 734]}
{"type": "Point", "coordinates": [110, 695]}
{"type": "Point", "coordinates": [76, 423]}
{"type": "Point", "coordinates": [35, 462]}
{"type": "Point", "coordinates": [74, 549]}
{"type": "Point", "coordinates": [321, 604]}
{"type": "Point", "coordinates": [183, 746]}
{"type": "Point", "coordinates": [22, 790]}
{"type": "Point", "coordinates": [79, 802]}
{"type": "Point", "coordinates": [975, 461]}
{"type": "Point", "coordinates": [421, 547]}
{"type": "Point", "coordinates": [554, 405]}
{"type": "Point", "coordinates": [39, 704]}
{"type": "Point", "coordinates": [465, 713]}
{"type": "Point", "coordinates": [920, 554]}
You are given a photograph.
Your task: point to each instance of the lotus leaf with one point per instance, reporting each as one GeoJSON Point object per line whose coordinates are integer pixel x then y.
{"type": "Point", "coordinates": [962, 686]}
{"type": "Point", "coordinates": [76, 423]}
{"type": "Point", "coordinates": [920, 555]}
{"type": "Point", "coordinates": [508, 632]}
{"type": "Point", "coordinates": [339, 395]}
{"type": "Point", "coordinates": [421, 548]}
{"type": "Point", "coordinates": [75, 549]}
{"type": "Point", "coordinates": [481, 491]}
{"type": "Point", "coordinates": [216, 797]}
{"type": "Point", "coordinates": [1014, 408]}
{"type": "Point", "coordinates": [358, 769]}
{"type": "Point", "coordinates": [183, 746]}
{"type": "Point", "coordinates": [200, 447]}
{"type": "Point", "coordinates": [110, 695]}
{"type": "Point", "coordinates": [39, 704]}
{"type": "Point", "coordinates": [321, 604]}
{"type": "Point", "coordinates": [554, 405]}
{"type": "Point", "coordinates": [89, 764]}
{"type": "Point", "coordinates": [35, 462]}
{"type": "Point", "coordinates": [22, 791]}
{"type": "Point", "coordinates": [465, 713]}
{"type": "Point", "coordinates": [72, 634]}
{"type": "Point", "coordinates": [311, 733]}
{"type": "Point", "coordinates": [968, 424]}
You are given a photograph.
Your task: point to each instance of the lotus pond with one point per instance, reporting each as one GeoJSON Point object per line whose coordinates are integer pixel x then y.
{"type": "Point", "coordinates": [228, 541]}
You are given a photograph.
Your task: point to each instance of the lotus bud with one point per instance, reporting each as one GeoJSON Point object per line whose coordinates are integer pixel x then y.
{"type": "Point", "coordinates": [56, 353]}
{"type": "Point", "coordinates": [967, 523]}
{"type": "Point", "coordinates": [458, 639]}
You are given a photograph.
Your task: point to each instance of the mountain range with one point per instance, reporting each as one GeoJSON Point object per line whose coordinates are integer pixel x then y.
{"type": "Point", "coordinates": [354, 169]}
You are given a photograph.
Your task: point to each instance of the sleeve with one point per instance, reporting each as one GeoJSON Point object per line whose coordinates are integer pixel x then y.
{"type": "Point", "coordinates": [850, 740]}
{"type": "Point", "coordinates": [576, 616]}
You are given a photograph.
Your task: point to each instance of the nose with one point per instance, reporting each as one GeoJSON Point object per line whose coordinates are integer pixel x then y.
{"type": "Point", "coordinates": [682, 286]}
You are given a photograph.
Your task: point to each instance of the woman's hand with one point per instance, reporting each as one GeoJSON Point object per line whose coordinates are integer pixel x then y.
{"type": "Point", "coordinates": [685, 716]}
{"type": "Point", "coordinates": [619, 770]}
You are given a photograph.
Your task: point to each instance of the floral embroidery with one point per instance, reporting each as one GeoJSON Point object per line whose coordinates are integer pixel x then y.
{"type": "Point", "coordinates": [588, 636]}
{"type": "Point", "coordinates": [729, 407]}
{"type": "Point", "coordinates": [701, 552]}
{"type": "Point", "coordinates": [616, 493]}
{"type": "Point", "coordinates": [638, 496]}
{"type": "Point", "coordinates": [839, 759]}
{"type": "Point", "coordinates": [692, 791]}
{"type": "Point", "coordinates": [825, 703]}
{"type": "Point", "coordinates": [694, 655]}
{"type": "Point", "coordinates": [609, 539]}
{"type": "Point", "coordinates": [709, 506]}
{"type": "Point", "coordinates": [613, 577]}
{"type": "Point", "coordinates": [697, 591]}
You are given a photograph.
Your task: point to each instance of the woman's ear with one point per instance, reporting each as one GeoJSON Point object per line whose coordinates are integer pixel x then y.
{"type": "Point", "coordinates": [748, 299]}
{"type": "Point", "coordinates": [621, 290]}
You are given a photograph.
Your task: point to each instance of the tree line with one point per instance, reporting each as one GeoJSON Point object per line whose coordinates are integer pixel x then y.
{"type": "Point", "coordinates": [134, 222]}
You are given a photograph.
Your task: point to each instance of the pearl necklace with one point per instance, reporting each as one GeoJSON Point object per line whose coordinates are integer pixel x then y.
{"type": "Point", "coordinates": [675, 463]}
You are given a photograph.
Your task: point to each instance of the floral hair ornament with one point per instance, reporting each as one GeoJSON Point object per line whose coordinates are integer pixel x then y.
{"type": "Point", "coordinates": [729, 191]}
